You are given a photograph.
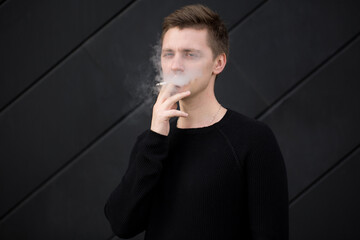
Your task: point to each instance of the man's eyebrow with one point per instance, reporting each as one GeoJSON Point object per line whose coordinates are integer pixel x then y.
{"type": "Point", "coordinates": [191, 50]}
{"type": "Point", "coordinates": [183, 50]}
{"type": "Point", "coordinates": [167, 50]}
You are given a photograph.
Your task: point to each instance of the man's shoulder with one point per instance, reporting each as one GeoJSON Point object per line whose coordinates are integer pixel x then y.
{"type": "Point", "coordinates": [239, 120]}
{"type": "Point", "coordinates": [242, 126]}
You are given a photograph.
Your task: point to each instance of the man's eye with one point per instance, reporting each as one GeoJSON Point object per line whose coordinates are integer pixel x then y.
{"type": "Point", "coordinates": [167, 54]}
{"type": "Point", "coordinates": [189, 54]}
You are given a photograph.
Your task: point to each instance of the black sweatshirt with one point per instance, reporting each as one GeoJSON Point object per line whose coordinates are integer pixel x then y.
{"type": "Point", "coordinates": [225, 181]}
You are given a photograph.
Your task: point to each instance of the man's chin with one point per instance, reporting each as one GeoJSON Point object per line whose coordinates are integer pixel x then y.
{"type": "Point", "coordinates": [184, 88]}
{"type": "Point", "coordinates": [178, 89]}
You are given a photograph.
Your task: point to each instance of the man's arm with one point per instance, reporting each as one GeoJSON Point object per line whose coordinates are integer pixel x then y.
{"type": "Point", "coordinates": [267, 188]}
{"type": "Point", "coordinates": [128, 207]}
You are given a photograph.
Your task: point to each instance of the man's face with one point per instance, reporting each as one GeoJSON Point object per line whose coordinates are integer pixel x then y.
{"type": "Point", "coordinates": [186, 52]}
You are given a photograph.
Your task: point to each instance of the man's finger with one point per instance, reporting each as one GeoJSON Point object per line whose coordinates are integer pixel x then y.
{"type": "Point", "coordinates": [175, 113]}
{"type": "Point", "coordinates": [175, 98]}
{"type": "Point", "coordinates": [163, 90]}
{"type": "Point", "coordinates": [174, 106]}
{"type": "Point", "coordinates": [166, 91]}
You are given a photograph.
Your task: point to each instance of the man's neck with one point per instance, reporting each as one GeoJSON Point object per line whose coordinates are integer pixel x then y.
{"type": "Point", "coordinates": [203, 109]}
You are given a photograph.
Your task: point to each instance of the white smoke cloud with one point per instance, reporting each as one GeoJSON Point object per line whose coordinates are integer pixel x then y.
{"type": "Point", "coordinates": [177, 78]}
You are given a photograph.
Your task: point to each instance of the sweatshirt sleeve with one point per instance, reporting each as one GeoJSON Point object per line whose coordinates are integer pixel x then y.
{"type": "Point", "coordinates": [267, 188]}
{"type": "Point", "coordinates": [128, 206]}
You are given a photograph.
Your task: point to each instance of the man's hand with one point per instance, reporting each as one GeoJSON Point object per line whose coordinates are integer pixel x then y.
{"type": "Point", "coordinates": [166, 108]}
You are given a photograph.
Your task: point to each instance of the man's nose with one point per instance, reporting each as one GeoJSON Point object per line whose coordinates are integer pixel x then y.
{"type": "Point", "coordinates": [177, 63]}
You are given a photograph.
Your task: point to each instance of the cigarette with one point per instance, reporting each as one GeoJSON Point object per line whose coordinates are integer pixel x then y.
{"type": "Point", "coordinates": [161, 83]}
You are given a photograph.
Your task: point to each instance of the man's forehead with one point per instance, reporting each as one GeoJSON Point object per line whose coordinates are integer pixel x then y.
{"type": "Point", "coordinates": [185, 39]}
{"type": "Point", "coordinates": [187, 29]}
{"type": "Point", "coordinates": [185, 35]}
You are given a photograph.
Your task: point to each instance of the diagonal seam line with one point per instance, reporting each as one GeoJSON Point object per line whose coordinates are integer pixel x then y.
{"type": "Point", "coordinates": [323, 176]}
{"type": "Point", "coordinates": [42, 77]}
{"type": "Point", "coordinates": [297, 86]}
{"type": "Point", "coordinates": [2, 4]}
{"type": "Point", "coordinates": [71, 162]}
{"type": "Point", "coordinates": [246, 16]}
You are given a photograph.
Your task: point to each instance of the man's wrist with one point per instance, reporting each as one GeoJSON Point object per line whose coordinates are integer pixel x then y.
{"type": "Point", "coordinates": [158, 131]}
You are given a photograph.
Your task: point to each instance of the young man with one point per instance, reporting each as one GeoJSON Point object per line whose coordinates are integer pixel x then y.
{"type": "Point", "coordinates": [212, 173]}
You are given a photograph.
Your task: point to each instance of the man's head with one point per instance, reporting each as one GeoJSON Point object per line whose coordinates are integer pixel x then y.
{"type": "Point", "coordinates": [200, 17]}
{"type": "Point", "coordinates": [194, 47]}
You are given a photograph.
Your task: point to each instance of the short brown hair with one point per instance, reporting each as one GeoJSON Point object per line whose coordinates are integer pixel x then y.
{"type": "Point", "coordinates": [200, 17]}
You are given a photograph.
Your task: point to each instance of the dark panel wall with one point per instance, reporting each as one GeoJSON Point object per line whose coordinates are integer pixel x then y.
{"type": "Point", "coordinates": [44, 32]}
{"type": "Point", "coordinates": [73, 79]}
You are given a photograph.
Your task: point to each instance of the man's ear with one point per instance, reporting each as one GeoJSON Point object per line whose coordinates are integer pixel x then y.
{"type": "Point", "coordinates": [220, 63]}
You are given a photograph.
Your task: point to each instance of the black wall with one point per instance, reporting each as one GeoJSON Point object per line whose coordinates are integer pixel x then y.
{"type": "Point", "coordinates": [73, 81]}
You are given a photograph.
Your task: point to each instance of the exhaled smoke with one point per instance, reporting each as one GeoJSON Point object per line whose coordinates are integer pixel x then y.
{"type": "Point", "coordinates": [156, 62]}
{"type": "Point", "coordinates": [178, 78]}
{"type": "Point", "coordinates": [181, 78]}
